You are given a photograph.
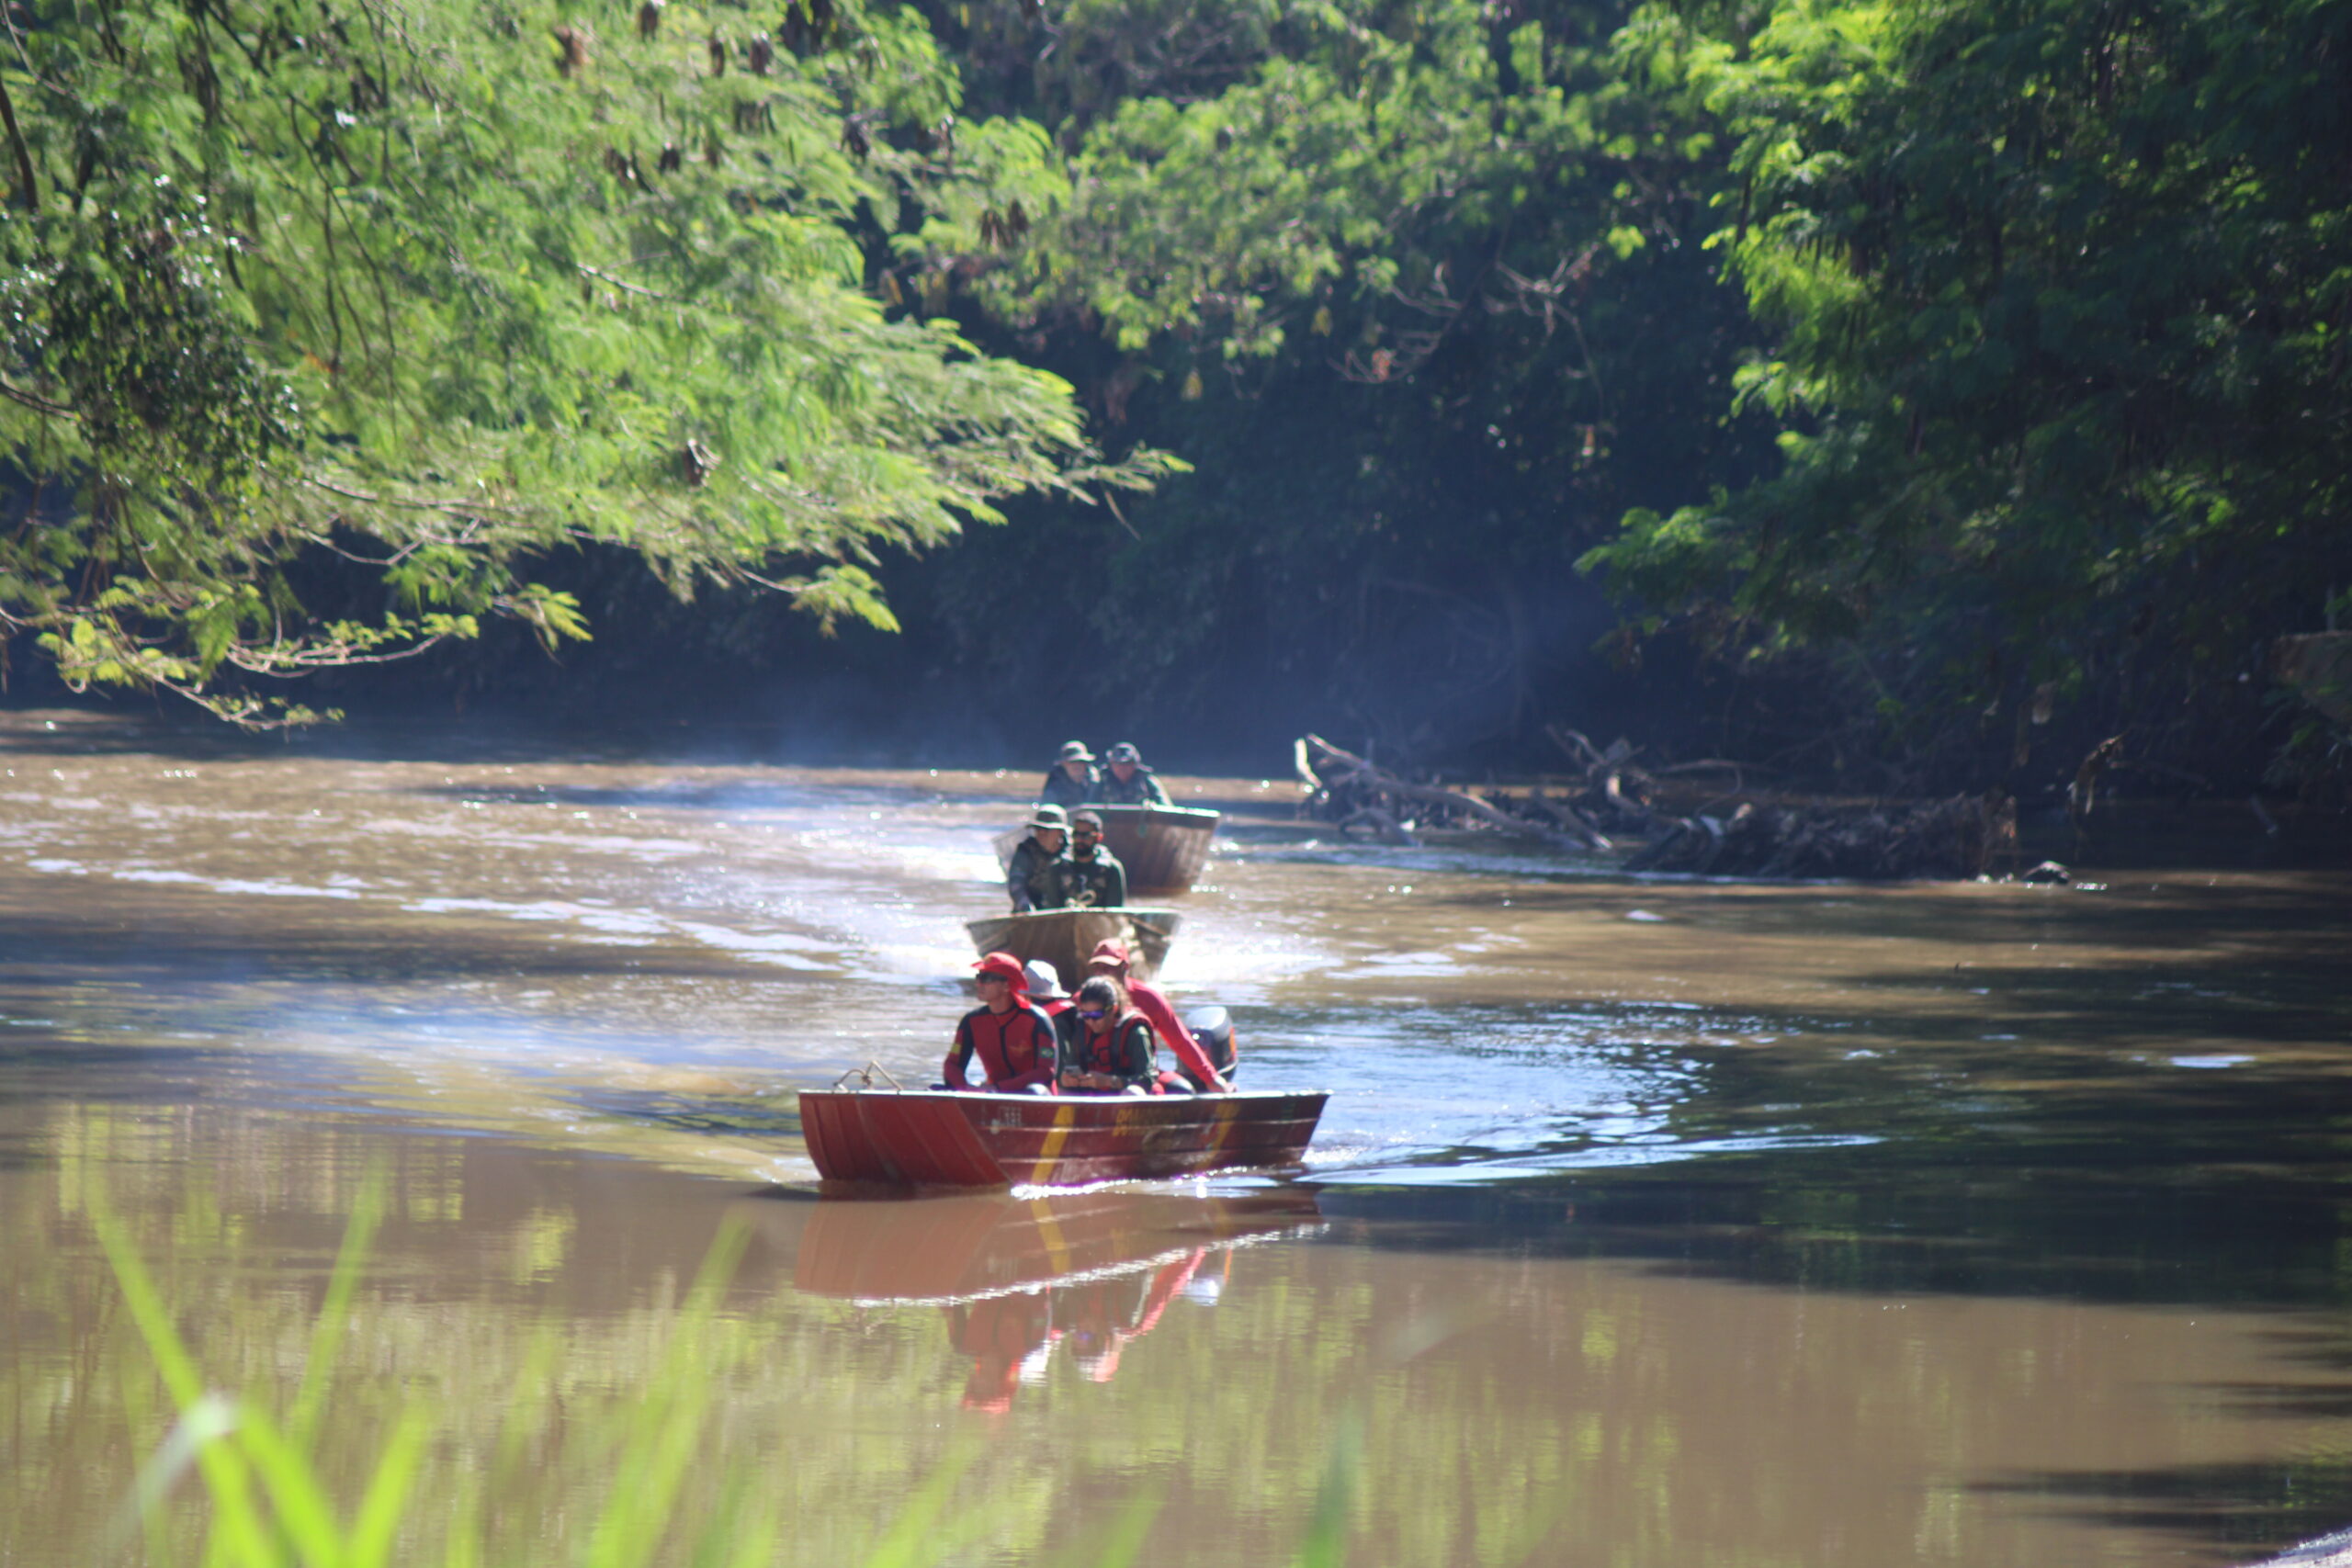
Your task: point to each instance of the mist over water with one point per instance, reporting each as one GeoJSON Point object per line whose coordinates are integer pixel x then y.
{"type": "Point", "coordinates": [1665, 1221]}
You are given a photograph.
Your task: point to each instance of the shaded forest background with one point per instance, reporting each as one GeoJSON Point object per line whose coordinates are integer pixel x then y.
{"type": "Point", "coordinates": [1906, 398]}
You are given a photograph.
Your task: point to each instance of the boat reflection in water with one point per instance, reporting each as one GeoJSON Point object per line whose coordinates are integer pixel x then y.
{"type": "Point", "coordinates": [1018, 1276]}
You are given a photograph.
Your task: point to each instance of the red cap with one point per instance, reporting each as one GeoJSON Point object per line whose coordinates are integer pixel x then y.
{"type": "Point", "coordinates": [1004, 963]}
{"type": "Point", "coordinates": [1110, 950]}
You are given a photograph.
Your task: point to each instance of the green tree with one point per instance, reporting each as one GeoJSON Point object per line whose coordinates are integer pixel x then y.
{"type": "Point", "coordinates": [2060, 291]}
{"type": "Point", "coordinates": [433, 287]}
{"type": "Point", "coordinates": [1417, 288]}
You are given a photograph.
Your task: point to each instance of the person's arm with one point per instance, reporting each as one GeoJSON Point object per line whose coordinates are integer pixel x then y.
{"type": "Point", "coordinates": [1152, 1003]}
{"type": "Point", "coordinates": [1018, 873]}
{"type": "Point", "coordinates": [1136, 1054]}
{"type": "Point", "coordinates": [1114, 883]}
{"type": "Point", "coordinates": [1155, 791]}
{"type": "Point", "coordinates": [959, 1056]}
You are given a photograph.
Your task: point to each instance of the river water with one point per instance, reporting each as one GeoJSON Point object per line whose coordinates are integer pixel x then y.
{"type": "Point", "coordinates": [1651, 1222]}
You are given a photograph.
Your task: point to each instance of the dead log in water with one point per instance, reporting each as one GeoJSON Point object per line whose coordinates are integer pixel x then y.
{"type": "Point", "coordinates": [1342, 785]}
{"type": "Point", "coordinates": [1966, 836]}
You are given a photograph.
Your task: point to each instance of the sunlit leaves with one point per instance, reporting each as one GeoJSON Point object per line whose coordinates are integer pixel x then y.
{"type": "Point", "coordinates": [441, 288]}
{"type": "Point", "coordinates": [2051, 280]}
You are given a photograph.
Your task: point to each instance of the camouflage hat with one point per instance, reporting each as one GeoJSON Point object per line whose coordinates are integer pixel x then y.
{"type": "Point", "coordinates": [1052, 817]}
{"type": "Point", "coordinates": [1091, 816]}
{"type": "Point", "coordinates": [1075, 751]}
{"type": "Point", "coordinates": [1125, 751]}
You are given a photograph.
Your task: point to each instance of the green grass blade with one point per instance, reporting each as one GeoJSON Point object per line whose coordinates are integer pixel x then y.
{"type": "Point", "coordinates": [913, 1526]}
{"type": "Point", "coordinates": [326, 1333]}
{"type": "Point", "coordinates": [526, 1400]}
{"type": "Point", "coordinates": [301, 1505]}
{"type": "Point", "coordinates": [755, 1537]}
{"type": "Point", "coordinates": [244, 1535]}
{"type": "Point", "coordinates": [741, 1530]}
{"type": "Point", "coordinates": [377, 1525]}
{"type": "Point", "coordinates": [208, 1419]}
{"type": "Point", "coordinates": [1327, 1529]}
{"type": "Point", "coordinates": [1122, 1543]}
{"type": "Point", "coordinates": [462, 1542]}
{"type": "Point", "coordinates": [653, 1464]}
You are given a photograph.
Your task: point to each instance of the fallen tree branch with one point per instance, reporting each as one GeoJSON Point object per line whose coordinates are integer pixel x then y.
{"type": "Point", "coordinates": [1391, 831]}
{"type": "Point", "coordinates": [1343, 768]}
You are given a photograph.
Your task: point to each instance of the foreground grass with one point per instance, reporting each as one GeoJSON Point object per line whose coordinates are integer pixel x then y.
{"type": "Point", "coordinates": [268, 1502]}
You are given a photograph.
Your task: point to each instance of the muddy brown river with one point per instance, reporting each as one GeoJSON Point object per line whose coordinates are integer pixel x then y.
{"type": "Point", "coordinates": [1651, 1223]}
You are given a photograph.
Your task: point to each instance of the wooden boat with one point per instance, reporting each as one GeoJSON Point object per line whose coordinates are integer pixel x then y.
{"type": "Point", "coordinates": [1163, 848]}
{"type": "Point", "coordinates": [965, 1247]}
{"type": "Point", "coordinates": [1064, 937]}
{"type": "Point", "coordinates": [935, 1138]}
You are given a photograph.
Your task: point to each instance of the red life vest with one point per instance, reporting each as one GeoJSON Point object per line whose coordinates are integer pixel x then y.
{"type": "Point", "coordinates": [1108, 1052]}
{"type": "Point", "coordinates": [1015, 1046]}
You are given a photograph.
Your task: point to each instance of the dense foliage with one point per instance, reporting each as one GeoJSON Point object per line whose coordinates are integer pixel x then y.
{"type": "Point", "coordinates": [436, 287]}
{"type": "Point", "coordinates": [2060, 292]}
{"type": "Point", "coordinates": [1420, 291]}
{"type": "Point", "coordinates": [1938, 388]}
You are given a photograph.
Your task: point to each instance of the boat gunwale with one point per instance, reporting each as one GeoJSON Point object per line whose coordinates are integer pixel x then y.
{"type": "Point", "coordinates": [1126, 1099]}
{"type": "Point", "coordinates": [858, 1135]}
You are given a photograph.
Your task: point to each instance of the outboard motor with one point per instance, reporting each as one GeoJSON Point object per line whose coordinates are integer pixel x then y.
{"type": "Point", "coordinates": [1212, 1028]}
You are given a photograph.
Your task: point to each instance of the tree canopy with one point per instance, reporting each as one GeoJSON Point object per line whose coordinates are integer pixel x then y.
{"type": "Point", "coordinates": [436, 287]}
{"type": "Point", "coordinates": [2058, 293]}
{"type": "Point", "coordinates": [1918, 375]}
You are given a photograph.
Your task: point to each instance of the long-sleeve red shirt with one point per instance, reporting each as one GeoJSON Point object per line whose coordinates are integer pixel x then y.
{"type": "Point", "coordinates": [1152, 1002]}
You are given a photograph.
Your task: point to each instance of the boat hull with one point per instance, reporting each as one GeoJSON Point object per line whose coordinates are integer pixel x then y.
{"type": "Point", "coordinates": [1063, 937]}
{"type": "Point", "coordinates": [1163, 848]}
{"type": "Point", "coordinates": [935, 1138]}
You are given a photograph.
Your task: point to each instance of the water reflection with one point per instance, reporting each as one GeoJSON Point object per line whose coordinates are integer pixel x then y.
{"type": "Point", "coordinates": [1822, 1225]}
{"type": "Point", "coordinates": [1539, 1371]}
{"type": "Point", "coordinates": [1017, 1276]}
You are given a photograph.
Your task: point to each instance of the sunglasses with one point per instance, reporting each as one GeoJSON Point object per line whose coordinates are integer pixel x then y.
{"type": "Point", "coordinates": [1089, 1014]}
{"type": "Point", "coordinates": [990, 980]}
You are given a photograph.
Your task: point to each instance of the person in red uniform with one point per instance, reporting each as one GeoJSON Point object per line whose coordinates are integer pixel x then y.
{"type": "Point", "coordinates": [1014, 1040]}
{"type": "Point", "coordinates": [1109, 957]}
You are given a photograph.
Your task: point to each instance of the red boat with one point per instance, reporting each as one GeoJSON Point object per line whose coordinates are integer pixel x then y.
{"type": "Point", "coordinates": [935, 1138]}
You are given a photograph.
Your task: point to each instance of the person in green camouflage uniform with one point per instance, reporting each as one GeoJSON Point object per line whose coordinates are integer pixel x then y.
{"type": "Point", "coordinates": [1127, 782]}
{"type": "Point", "coordinates": [1027, 875]}
{"type": "Point", "coordinates": [1088, 876]}
{"type": "Point", "coordinates": [1072, 778]}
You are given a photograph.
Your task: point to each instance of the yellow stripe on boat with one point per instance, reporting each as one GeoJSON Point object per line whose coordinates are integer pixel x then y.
{"type": "Point", "coordinates": [1065, 1118]}
{"type": "Point", "coordinates": [1227, 1109]}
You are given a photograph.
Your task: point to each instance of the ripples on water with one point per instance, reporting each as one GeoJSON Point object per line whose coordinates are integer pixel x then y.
{"type": "Point", "coordinates": [1663, 1221]}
